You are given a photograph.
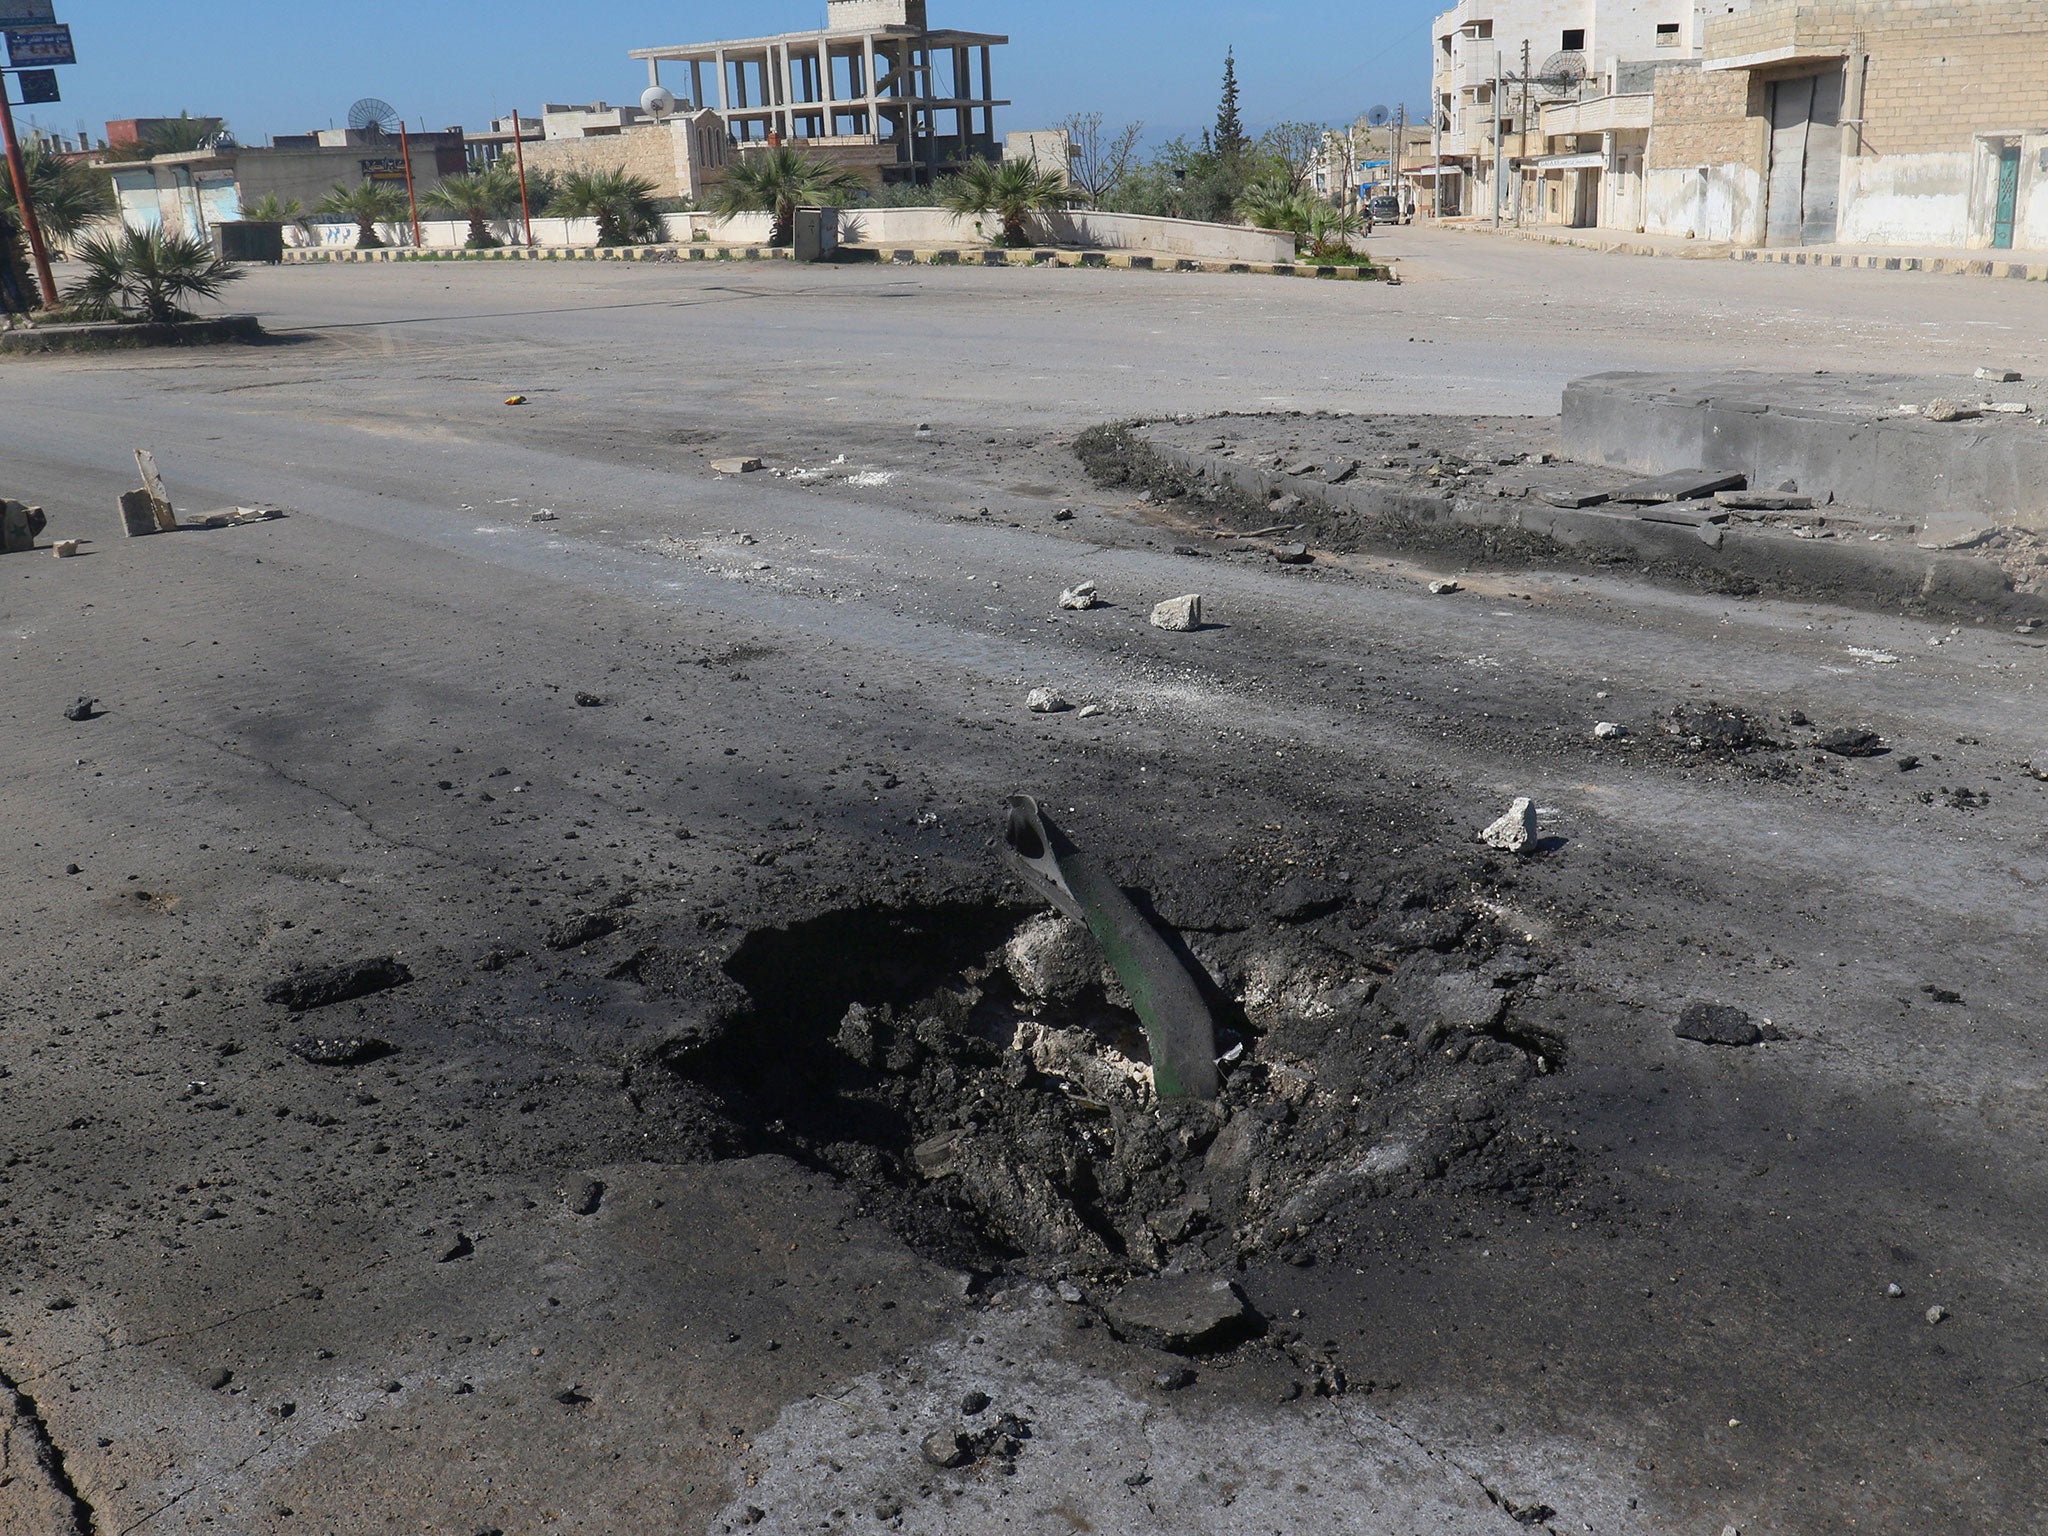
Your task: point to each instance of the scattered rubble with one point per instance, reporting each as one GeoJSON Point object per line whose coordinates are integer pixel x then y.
{"type": "Point", "coordinates": [1851, 742]}
{"type": "Point", "coordinates": [1718, 1024]}
{"type": "Point", "coordinates": [339, 1050]}
{"type": "Point", "coordinates": [308, 990]}
{"type": "Point", "coordinates": [1516, 831]}
{"type": "Point", "coordinates": [1179, 614]}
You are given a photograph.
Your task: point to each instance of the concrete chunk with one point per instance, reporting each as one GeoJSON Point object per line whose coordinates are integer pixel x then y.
{"type": "Point", "coordinates": [1762, 501]}
{"type": "Point", "coordinates": [1188, 1314]}
{"type": "Point", "coordinates": [1179, 614]}
{"type": "Point", "coordinates": [743, 466]}
{"type": "Point", "coordinates": [1999, 375]}
{"type": "Point", "coordinates": [19, 526]}
{"type": "Point", "coordinates": [1514, 832]}
{"type": "Point", "coordinates": [1680, 485]}
{"type": "Point", "coordinates": [138, 514]}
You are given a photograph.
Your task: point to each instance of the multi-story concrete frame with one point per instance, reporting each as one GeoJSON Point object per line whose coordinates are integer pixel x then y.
{"type": "Point", "coordinates": [1590, 41]}
{"type": "Point", "coordinates": [876, 78]}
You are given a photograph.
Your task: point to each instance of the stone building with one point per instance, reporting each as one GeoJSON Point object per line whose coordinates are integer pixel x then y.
{"type": "Point", "coordinates": [190, 194]}
{"type": "Point", "coordinates": [1863, 122]}
{"type": "Point", "coordinates": [1500, 64]}
{"type": "Point", "coordinates": [877, 90]}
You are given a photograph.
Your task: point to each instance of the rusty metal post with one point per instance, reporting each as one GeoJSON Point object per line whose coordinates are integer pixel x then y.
{"type": "Point", "coordinates": [525, 203]}
{"type": "Point", "coordinates": [31, 226]}
{"type": "Point", "coordinates": [419, 240]}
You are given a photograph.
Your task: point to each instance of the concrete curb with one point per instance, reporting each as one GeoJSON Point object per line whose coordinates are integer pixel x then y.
{"type": "Point", "coordinates": [1131, 261]}
{"type": "Point", "coordinates": [218, 331]}
{"type": "Point", "coordinates": [305, 257]}
{"type": "Point", "coordinates": [1948, 266]}
{"type": "Point", "coordinates": [1975, 265]}
{"type": "Point", "coordinates": [1888, 577]}
{"type": "Point", "coordinates": [901, 256]}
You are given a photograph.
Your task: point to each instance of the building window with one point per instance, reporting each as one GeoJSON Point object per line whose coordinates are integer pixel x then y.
{"type": "Point", "coordinates": [1575, 40]}
{"type": "Point", "coordinates": [1667, 34]}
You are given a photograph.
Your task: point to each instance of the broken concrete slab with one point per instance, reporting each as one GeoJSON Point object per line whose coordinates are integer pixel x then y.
{"type": "Point", "coordinates": [1573, 501]}
{"type": "Point", "coordinates": [1679, 485]}
{"type": "Point", "coordinates": [1179, 614]}
{"type": "Point", "coordinates": [1999, 375]}
{"type": "Point", "coordinates": [738, 466]}
{"type": "Point", "coordinates": [1763, 501]}
{"type": "Point", "coordinates": [1186, 1313]}
{"type": "Point", "coordinates": [1683, 515]}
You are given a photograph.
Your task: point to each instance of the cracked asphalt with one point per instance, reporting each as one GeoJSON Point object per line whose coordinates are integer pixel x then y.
{"type": "Point", "coordinates": [241, 1292]}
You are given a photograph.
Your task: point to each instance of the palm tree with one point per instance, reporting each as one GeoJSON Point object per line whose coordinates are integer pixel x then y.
{"type": "Point", "coordinates": [778, 181]}
{"type": "Point", "coordinates": [179, 135]}
{"type": "Point", "coordinates": [623, 205]}
{"type": "Point", "coordinates": [1012, 191]}
{"type": "Point", "coordinates": [479, 197]}
{"type": "Point", "coordinates": [145, 274]}
{"type": "Point", "coordinates": [369, 204]}
{"type": "Point", "coordinates": [1330, 229]}
{"type": "Point", "coordinates": [1275, 204]}
{"type": "Point", "coordinates": [68, 196]}
{"type": "Point", "coordinates": [271, 209]}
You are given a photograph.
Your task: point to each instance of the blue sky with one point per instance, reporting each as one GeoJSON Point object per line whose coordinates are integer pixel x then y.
{"type": "Point", "coordinates": [273, 66]}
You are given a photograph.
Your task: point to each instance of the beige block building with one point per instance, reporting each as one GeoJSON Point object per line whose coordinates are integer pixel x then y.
{"type": "Point", "coordinates": [1864, 122]}
{"type": "Point", "coordinates": [1811, 122]}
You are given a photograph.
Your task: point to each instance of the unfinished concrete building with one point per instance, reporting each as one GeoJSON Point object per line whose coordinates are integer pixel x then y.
{"type": "Point", "coordinates": [877, 90]}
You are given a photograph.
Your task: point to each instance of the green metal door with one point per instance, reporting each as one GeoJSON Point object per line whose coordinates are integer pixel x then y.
{"type": "Point", "coordinates": [2008, 197]}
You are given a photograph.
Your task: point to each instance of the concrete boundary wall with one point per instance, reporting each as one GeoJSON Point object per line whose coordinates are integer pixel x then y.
{"type": "Point", "coordinates": [874, 228]}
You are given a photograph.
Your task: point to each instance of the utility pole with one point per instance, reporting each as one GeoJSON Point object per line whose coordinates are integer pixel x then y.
{"type": "Point", "coordinates": [1394, 155]}
{"type": "Point", "coordinates": [1524, 140]}
{"type": "Point", "coordinates": [31, 226]}
{"type": "Point", "coordinates": [1499, 68]}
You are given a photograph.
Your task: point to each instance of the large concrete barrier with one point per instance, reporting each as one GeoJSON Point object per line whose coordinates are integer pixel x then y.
{"type": "Point", "coordinates": [1830, 436]}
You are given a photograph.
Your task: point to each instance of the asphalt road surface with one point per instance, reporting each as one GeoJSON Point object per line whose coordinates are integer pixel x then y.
{"type": "Point", "coordinates": [646, 775]}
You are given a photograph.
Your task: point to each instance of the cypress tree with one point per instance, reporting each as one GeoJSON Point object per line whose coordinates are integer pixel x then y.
{"type": "Point", "coordinates": [1230, 142]}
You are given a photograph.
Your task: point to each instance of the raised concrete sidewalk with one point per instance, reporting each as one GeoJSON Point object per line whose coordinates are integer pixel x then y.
{"type": "Point", "coordinates": [2031, 266]}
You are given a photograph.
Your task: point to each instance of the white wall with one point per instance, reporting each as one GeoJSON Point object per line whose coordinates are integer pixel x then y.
{"type": "Point", "coordinates": [872, 227]}
{"type": "Point", "coordinates": [1727, 204]}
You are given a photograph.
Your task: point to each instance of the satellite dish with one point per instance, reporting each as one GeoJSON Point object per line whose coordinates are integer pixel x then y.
{"type": "Point", "coordinates": [1378, 117]}
{"type": "Point", "coordinates": [377, 118]}
{"type": "Point", "coordinates": [1563, 72]}
{"type": "Point", "coordinates": [658, 101]}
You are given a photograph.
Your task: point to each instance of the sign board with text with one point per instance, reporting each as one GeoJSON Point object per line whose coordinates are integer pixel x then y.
{"type": "Point", "coordinates": [39, 47]}
{"type": "Point", "coordinates": [39, 87]}
{"type": "Point", "coordinates": [28, 13]}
